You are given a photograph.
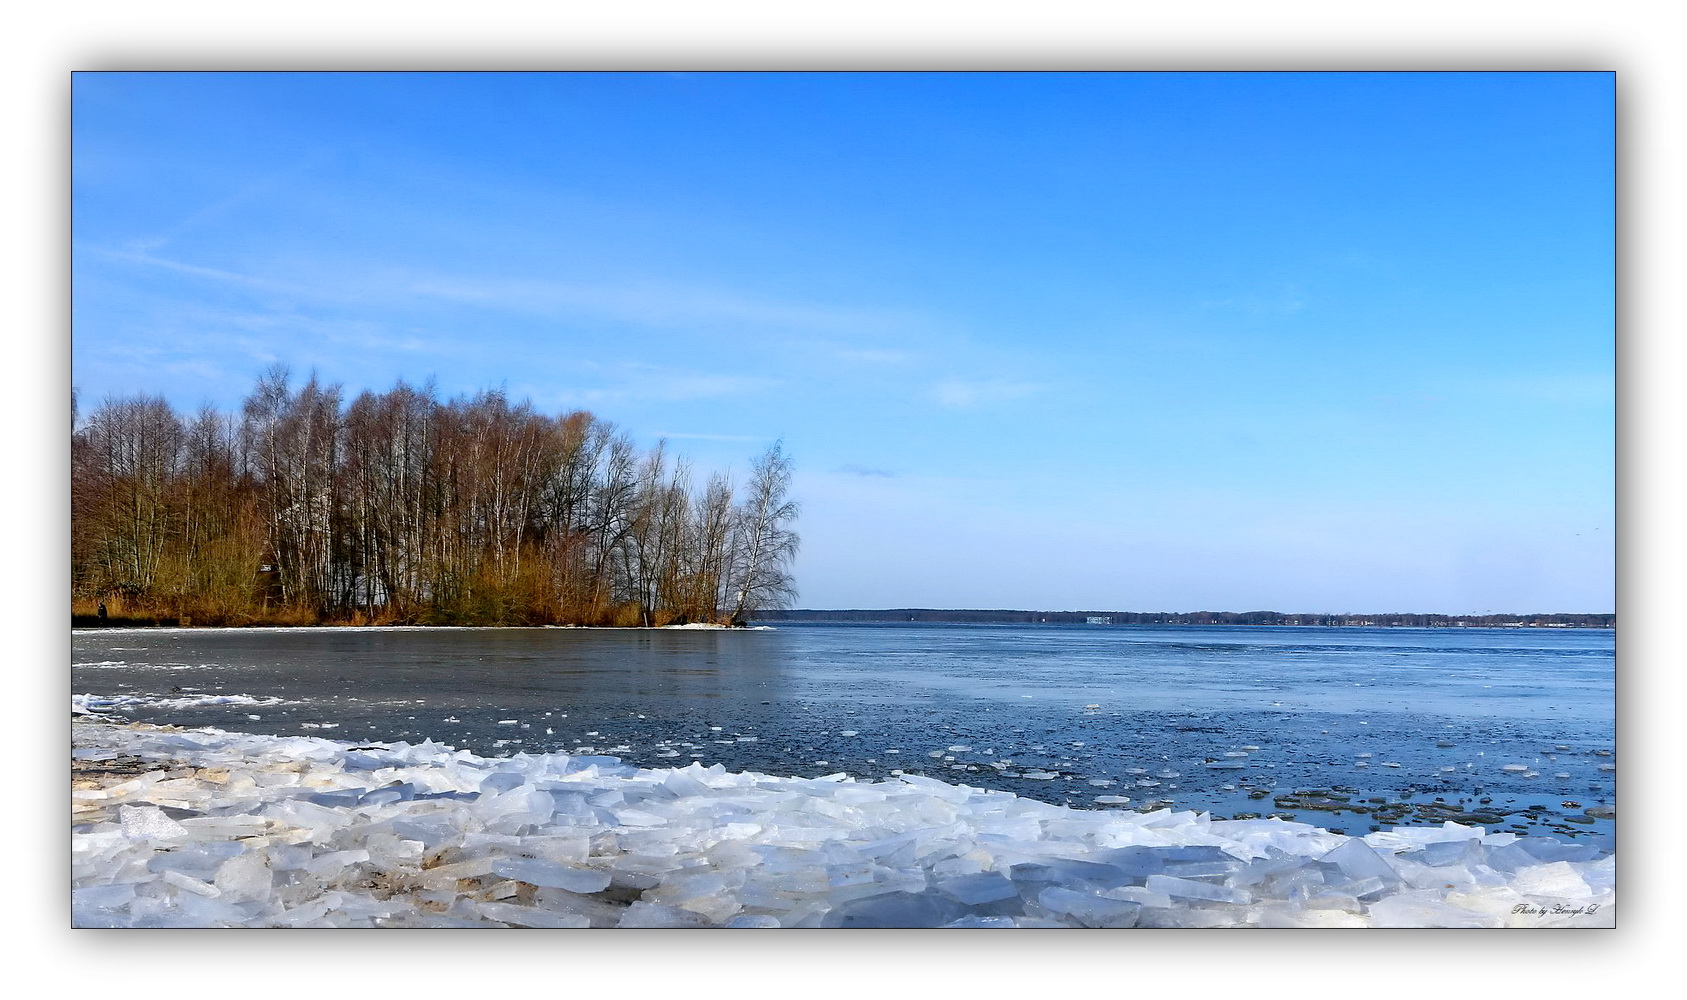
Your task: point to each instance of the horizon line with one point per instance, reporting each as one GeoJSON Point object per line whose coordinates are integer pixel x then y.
{"type": "Point", "coordinates": [1199, 611]}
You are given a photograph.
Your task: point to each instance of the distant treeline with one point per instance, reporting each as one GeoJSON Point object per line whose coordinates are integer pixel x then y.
{"type": "Point", "coordinates": [1193, 618]}
{"type": "Point", "coordinates": [401, 508]}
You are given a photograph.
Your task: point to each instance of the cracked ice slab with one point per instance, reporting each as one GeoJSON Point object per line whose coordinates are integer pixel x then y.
{"type": "Point", "coordinates": [233, 829]}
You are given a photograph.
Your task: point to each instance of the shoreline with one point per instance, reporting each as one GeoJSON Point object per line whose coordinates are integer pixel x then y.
{"type": "Point", "coordinates": [772, 623]}
{"type": "Point", "coordinates": [175, 827]}
{"type": "Point", "coordinates": [90, 629]}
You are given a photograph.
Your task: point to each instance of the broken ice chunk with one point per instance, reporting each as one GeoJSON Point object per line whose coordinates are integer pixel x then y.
{"type": "Point", "coordinates": [535, 871]}
{"type": "Point", "coordinates": [528, 916]}
{"type": "Point", "coordinates": [975, 921]}
{"type": "Point", "coordinates": [753, 920]}
{"type": "Point", "coordinates": [1424, 909]}
{"type": "Point", "coordinates": [86, 902]}
{"type": "Point", "coordinates": [143, 822]}
{"type": "Point", "coordinates": [1448, 852]}
{"type": "Point", "coordinates": [983, 887]}
{"type": "Point", "coordinates": [893, 909]}
{"type": "Point", "coordinates": [1356, 860]}
{"type": "Point", "coordinates": [191, 884]}
{"type": "Point", "coordinates": [1138, 894]}
{"type": "Point", "coordinates": [245, 877]}
{"type": "Point", "coordinates": [199, 860]}
{"type": "Point", "coordinates": [643, 914]}
{"type": "Point", "coordinates": [1184, 888]}
{"type": "Point", "coordinates": [1089, 909]}
{"type": "Point", "coordinates": [1559, 879]}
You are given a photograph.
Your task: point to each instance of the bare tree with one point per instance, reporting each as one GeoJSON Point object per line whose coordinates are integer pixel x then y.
{"type": "Point", "coordinates": [765, 544]}
{"type": "Point", "coordinates": [401, 508]}
{"type": "Point", "coordinates": [294, 441]}
{"type": "Point", "coordinates": [132, 449]}
{"type": "Point", "coordinates": [711, 540]}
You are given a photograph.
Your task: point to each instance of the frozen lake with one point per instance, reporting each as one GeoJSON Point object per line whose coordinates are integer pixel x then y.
{"type": "Point", "coordinates": [1345, 728]}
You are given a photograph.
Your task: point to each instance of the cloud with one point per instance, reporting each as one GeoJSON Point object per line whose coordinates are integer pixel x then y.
{"type": "Point", "coordinates": [657, 303]}
{"type": "Point", "coordinates": [635, 381]}
{"type": "Point", "coordinates": [673, 385]}
{"type": "Point", "coordinates": [649, 303]}
{"type": "Point", "coordinates": [1283, 300]}
{"type": "Point", "coordinates": [964, 393]}
{"type": "Point", "coordinates": [728, 438]}
{"type": "Point", "coordinates": [1569, 389]}
{"type": "Point", "coordinates": [223, 206]}
{"type": "Point", "coordinates": [195, 270]}
{"type": "Point", "coordinates": [856, 470]}
{"type": "Point", "coordinates": [872, 357]}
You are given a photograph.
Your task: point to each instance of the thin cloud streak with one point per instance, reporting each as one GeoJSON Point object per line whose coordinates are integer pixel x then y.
{"type": "Point", "coordinates": [1285, 300]}
{"type": "Point", "coordinates": [640, 382]}
{"type": "Point", "coordinates": [651, 303]}
{"type": "Point", "coordinates": [196, 270]}
{"type": "Point", "coordinates": [726, 438]}
{"type": "Point", "coordinates": [965, 393]}
{"type": "Point", "coordinates": [657, 304]}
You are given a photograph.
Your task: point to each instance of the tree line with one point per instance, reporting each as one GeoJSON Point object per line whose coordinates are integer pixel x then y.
{"type": "Point", "coordinates": [400, 508]}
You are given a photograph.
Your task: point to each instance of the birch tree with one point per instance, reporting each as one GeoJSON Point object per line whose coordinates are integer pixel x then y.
{"type": "Point", "coordinates": [401, 508]}
{"type": "Point", "coordinates": [765, 543]}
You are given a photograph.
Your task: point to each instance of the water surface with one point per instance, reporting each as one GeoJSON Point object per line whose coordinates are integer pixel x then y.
{"type": "Point", "coordinates": [1226, 718]}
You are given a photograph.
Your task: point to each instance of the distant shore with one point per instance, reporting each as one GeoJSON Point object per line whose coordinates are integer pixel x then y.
{"type": "Point", "coordinates": [1378, 620]}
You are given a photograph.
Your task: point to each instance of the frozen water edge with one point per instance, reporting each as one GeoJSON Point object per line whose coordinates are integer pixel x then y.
{"type": "Point", "coordinates": [220, 829]}
{"type": "Point", "coordinates": [273, 629]}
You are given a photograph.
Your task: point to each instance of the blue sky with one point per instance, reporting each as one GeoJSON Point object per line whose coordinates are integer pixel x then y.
{"type": "Point", "coordinates": [1320, 342]}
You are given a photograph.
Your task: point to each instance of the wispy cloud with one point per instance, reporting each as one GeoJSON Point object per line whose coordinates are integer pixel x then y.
{"type": "Point", "coordinates": [1282, 300]}
{"type": "Point", "coordinates": [868, 356]}
{"type": "Point", "coordinates": [651, 303]}
{"type": "Point", "coordinates": [965, 393]}
{"type": "Point", "coordinates": [195, 270]}
{"type": "Point", "coordinates": [153, 368]}
{"type": "Point", "coordinates": [689, 436]}
{"type": "Point", "coordinates": [675, 385]}
{"type": "Point", "coordinates": [221, 207]}
{"type": "Point", "coordinates": [857, 470]}
{"type": "Point", "coordinates": [636, 381]}
{"type": "Point", "coordinates": [656, 303]}
{"type": "Point", "coordinates": [195, 328]}
{"type": "Point", "coordinates": [1565, 389]}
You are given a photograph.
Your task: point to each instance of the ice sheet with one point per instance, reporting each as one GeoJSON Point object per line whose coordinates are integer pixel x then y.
{"type": "Point", "coordinates": [231, 829]}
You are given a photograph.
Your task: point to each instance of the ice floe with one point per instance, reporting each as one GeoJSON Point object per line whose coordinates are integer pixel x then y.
{"type": "Point", "coordinates": [89, 703]}
{"type": "Point", "coordinates": [203, 828]}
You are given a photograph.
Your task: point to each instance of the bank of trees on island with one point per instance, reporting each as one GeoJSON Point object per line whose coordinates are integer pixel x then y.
{"type": "Point", "coordinates": [398, 507]}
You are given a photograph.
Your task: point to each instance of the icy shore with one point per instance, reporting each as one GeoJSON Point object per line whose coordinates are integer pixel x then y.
{"type": "Point", "coordinates": [203, 828]}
